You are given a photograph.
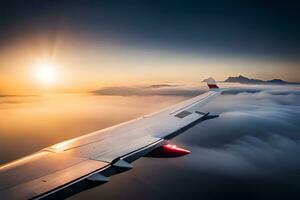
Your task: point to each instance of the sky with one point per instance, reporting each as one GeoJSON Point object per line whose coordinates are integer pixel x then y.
{"type": "Point", "coordinates": [136, 57]}
{"type": "Point", "coordinates": [88, 45]}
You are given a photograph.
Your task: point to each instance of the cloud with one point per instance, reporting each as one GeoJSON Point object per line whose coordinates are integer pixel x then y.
{"type": "Point", "coordinates": [16, 99]}
{"type": "Point", "coordinates": [161, 86]}
{"type": "Point", "coordinates": [15, 95]}
{"type": "Point", "coordinates": [250, 152]}
{"type": "Point", "coordinates": [271, 89]}
{"type": "Point", "coordinates": [275, 156]}
{"type": "Point", "coordinates": [257, 135]}
{"type": "Point", "coordinates": [159, 89]}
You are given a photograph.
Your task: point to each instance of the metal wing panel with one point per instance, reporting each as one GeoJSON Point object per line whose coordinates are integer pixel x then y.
{"type": "Point", "coordinates": [49, 182]}
{"type": "Point", "coordinates": [35, 166]}
{"type": "Point", "coordinates": [109, 150]}
{"type": "Point", "coordinates": [196, 102]}
{"type": "Point", "coordinates": [126, 148]}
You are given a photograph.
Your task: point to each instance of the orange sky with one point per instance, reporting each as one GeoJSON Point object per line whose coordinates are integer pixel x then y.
{"type": "Point", "coordinates": [82, 65]}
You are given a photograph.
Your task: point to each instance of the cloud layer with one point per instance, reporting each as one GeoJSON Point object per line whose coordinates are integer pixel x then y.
{"type": "Point", "coordinates": [258, 128]}
{"type": "Point", "coordinates": [159, 89]}
{"type": "Point", "coordinates": [250, 152]}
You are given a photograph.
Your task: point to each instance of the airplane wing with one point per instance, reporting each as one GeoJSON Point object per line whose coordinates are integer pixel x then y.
{"type": "Point", "coordinates": [93, 157]}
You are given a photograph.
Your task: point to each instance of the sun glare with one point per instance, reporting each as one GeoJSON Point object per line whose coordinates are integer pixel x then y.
{"type": "Point", "coordinates": [46, 73]}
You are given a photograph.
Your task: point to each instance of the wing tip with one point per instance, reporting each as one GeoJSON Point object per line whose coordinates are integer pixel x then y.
{"type": "Point", "coordinates": [211, 83]}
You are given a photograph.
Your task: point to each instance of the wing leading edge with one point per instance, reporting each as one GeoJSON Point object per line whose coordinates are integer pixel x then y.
{"type": "Point", "coordinates": [107, 151]}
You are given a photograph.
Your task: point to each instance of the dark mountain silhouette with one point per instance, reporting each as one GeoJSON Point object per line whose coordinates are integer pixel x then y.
{"type": "Point", "coordinates": [245, 80]}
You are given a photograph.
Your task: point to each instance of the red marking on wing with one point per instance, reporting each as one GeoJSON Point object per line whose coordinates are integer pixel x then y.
{"type": "Point", "coordinates": [174, 149]}
{"type": "Point", "coordinates": [212, 86]}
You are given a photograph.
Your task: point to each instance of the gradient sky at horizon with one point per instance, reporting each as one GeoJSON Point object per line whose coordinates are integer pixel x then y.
{"type": "Point", "coordinates": [118, 48]}
{"type": "Point", "coordinates": [94, 44]}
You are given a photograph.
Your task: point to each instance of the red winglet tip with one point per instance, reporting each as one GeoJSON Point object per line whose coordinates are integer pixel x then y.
{"type": "Point", "coordinates": [175, 149]}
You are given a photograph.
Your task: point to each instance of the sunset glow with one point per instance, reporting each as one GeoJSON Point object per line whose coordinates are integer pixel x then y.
{"type": "Point", "coordinates": [88, 87]}
{"type": "Point", "coordinates": [45, 73]}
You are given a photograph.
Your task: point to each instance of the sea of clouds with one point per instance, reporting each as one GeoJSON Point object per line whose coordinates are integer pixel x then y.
{"type": "Point", "coordinates": [251, 151]}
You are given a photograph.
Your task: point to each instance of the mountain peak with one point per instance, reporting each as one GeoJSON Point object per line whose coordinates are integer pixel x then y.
{"type": "Point", "coordinates": [246, 80]}
{"type": "Point", "coordinates": [240, 79]}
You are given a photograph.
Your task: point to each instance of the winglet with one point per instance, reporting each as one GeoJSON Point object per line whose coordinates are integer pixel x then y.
{"type": "Point", "coordinates": [211, 83]}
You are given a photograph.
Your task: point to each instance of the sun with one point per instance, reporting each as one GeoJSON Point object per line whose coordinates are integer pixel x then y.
{"type": "Point", "coordinates": [45, 73]}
